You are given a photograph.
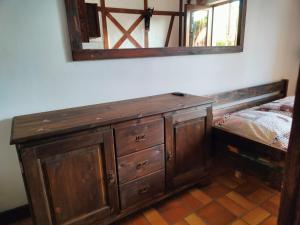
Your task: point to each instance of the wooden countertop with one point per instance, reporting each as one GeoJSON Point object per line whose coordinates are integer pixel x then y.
{"type": "Point", "coordinates": [44, 125]}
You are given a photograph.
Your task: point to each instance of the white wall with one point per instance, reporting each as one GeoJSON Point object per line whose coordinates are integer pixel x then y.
{"type": "Point", "coordinates": [36, 73]}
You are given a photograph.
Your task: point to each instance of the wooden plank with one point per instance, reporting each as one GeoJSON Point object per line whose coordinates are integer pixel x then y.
{"type": "Point", "coordinates": [93, 20]}
{"type": "Point", "coordinates": [139, 11]}
{"type": "Point", "coordinates": [169, 145]}
{"type": "Point", "coordinates": [245, 105]}
{"type": "Point", "coordinates": [290, 201]}
{"type": "Point", "coordinates": [247, 145]}
{"type": "Point", "coordinates": [121, 10]}
{"type": "Point", "coordinates": [43, 125]}
{"type": "Point", "coordinates": [126, 33]}
{"type": "Point", "coordinates": [73, 24]}
{"type": "Point", "coordinates": [251, 92]}
{"type": "Point", "coordinates": [166, 13]}
{"type": "Point", "coordinates": [104, 25]}
{"type": "Point", "coordinates": [146, 32]}
{"type": "Point", "coordinates": [36, 187]}
{"type": "Point", "coordinates": [209, 131]}
{"type": "Point", "coordinates": [185, 22]}
{"type": "Point", "coordinates": [232, 101]}
{"type": "Point", "coordinates": [267, 172]}
{"type": "Point", "coordinates": [169, 31]}
{"type": "Point", "coordinates": [89, 54]}
{"type": "Point", "coordinates": [180, 22]}
{"type": "Point", "coordinates": [111, 169]}
{"type": "Point", "coordinates": [242, 23]}
{"type": "Point", "coordinates": [82, 12]}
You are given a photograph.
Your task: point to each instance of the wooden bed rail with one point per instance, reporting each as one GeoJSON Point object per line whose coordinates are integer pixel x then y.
{"type": "Point", "coordinates": [240, 99]}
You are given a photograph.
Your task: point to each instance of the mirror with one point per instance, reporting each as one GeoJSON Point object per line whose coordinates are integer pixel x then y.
{"type": "Point", "coordinates": [154, 27]}
{"type": "Point", "coordinates": [215, 24]}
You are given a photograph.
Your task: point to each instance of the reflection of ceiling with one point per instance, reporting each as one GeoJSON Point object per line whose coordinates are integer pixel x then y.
{"type": "Point", "coordinates": [208, 2]}
{"type": "Point", "coordinates": [211, 1]}
{"type": "Point", "coordinates": [202, 2]}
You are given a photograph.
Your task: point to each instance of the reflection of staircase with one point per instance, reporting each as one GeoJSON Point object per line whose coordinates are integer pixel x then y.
{"type": "Point", "coordinates": [126, 33]}
{"type": "Point", "coordinates": [106, 12]}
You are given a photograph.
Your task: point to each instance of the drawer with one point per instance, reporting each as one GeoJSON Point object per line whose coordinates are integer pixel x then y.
{"type": "Point", "coordinates": [142, 189]}
{"type": "Point", "coordinates": [140, 163]}
{"type": "Point", "coordinates": [136, 135]}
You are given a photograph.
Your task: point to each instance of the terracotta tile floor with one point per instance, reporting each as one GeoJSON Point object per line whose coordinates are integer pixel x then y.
{"type": "Point", "coordinates": [227, 201]}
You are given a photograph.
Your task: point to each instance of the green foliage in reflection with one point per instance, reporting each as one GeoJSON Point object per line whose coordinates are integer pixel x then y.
{"type": "Point", "coordinates": [225, 43]}
{"type": "Point", "coordinates": [199, 25]}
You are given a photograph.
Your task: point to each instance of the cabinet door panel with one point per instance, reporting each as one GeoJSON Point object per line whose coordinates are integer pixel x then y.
{"type": "Point", "coordinates": [76, 184]}
{"type": "Point", "coordinates": [79, 182]}
{"type": "Point", "coordinates": [187, 146]}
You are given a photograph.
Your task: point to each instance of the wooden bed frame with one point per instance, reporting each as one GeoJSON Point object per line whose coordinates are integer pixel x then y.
{"type": "Point", "coordinates": [239, 148]}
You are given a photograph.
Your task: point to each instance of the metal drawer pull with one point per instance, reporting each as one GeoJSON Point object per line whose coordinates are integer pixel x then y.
{"type": "Point", "coordinates": [144, 190]}
{"type": "Point", "coordinates": [169, 156]}
{"type": "Point", "coordinates": [140, 138]}
{"type": "Point", "coordinates": [140, 165]}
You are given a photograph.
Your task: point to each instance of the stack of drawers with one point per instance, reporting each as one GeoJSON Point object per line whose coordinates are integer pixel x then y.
{"type": "Point", "coordinates": [113, 158]}
{"type": "Point", "coordinates": [140, 159]}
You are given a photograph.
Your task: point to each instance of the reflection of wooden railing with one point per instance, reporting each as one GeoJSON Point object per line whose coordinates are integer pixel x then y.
{"type": "Point", "coordinates": [80, 52]}
{"type": "Point", "coordinates": [104, 25]}
{"type": "Point", "coordinates": [146, 36]}
{"type": "Point", "coordinates": [106, 13]}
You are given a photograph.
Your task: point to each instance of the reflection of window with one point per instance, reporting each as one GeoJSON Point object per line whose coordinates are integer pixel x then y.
{"type": "Point", "coordinates": [214, 25]}
{"type": "Point", "coordinates": [199, 28]}
{"type": "Point", "coordinates": [225, 24]}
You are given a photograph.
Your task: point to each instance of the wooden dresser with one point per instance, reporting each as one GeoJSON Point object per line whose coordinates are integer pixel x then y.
{"type": "Point", "coordinates": [97, 164]}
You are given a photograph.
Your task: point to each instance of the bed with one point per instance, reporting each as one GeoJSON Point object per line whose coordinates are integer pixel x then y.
{"type": "Point", "coordinates": [252, 128]}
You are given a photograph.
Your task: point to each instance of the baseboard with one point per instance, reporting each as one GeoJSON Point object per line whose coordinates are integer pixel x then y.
{"type": "Point", "coordinates": [14, 215]}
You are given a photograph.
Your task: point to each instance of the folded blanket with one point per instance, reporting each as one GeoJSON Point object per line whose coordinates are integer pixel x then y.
{"type": "Point", "coordinates": [282, 105]}
{"type": "Point", "coordinates": [269, 124]}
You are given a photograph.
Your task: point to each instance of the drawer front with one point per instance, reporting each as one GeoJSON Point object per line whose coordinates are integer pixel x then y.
{"type": "Point", "coordinates": [142, 189]}
{"type": "Point", "coordinates": [139, 135]}
{"type": "Point", "coordinates": [141, 163]}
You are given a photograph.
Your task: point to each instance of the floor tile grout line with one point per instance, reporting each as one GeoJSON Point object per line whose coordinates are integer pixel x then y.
{"type": "Point", "coordinates": [255, 204]}
{"type": "Point", "coordinates": [272, 192]}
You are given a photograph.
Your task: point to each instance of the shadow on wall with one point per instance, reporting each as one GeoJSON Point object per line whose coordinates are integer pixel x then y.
{"type": "Point", "coordinates": [12, 190]}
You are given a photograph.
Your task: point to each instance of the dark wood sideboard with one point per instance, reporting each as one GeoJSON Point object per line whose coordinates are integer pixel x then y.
{"type": "Point", "coordinates": [97, 164]}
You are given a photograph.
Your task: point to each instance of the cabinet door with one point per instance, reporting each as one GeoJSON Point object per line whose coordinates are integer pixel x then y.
{"type": "Point", "coordinates": [72, 181]}
{"type": "Point", "coordinates": [187, 146]}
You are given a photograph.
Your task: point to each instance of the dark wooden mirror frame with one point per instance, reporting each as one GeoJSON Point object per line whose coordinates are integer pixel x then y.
{"type": "Point", "coordinates": [79, 54]}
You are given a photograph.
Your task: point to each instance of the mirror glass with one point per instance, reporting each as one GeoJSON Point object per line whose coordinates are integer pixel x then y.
{"type": "Point", "coordinates": [127, 24]}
